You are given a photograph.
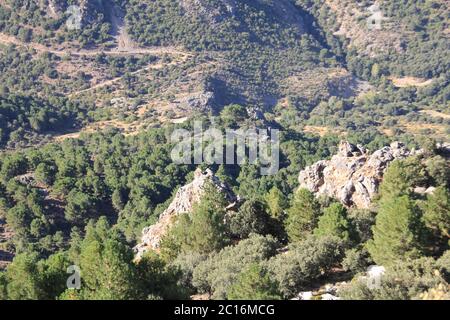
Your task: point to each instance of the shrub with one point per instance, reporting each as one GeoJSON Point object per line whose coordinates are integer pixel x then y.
{"type": "Point", "coordinates": [444, 264]}
{"type": "Point", "coordinates": [437, 212]}
{"type": "Point", "coordinates": [304, 263]}
{"type": "Point", "coordinates": [186, 264]}
{"type": "Point", "coordinates": [254, 283]}
{"type": "Point", "coordinates": [252, 217]}
{"type": "Point", "coordinates": [220, 270]}
{"type": "Point", "coordinates": [356, 260]}
{"type": "Point", "coordinates": [363, 221]}
{"type": "Point", "coordinates": [402, 281]}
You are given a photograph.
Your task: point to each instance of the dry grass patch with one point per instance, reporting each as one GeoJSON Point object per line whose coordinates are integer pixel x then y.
{"type": "Point", "coordinates": [410, 82]}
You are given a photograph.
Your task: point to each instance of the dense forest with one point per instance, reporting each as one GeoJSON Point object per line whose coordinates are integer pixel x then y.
{"type": "Point", "coordinates": [87, 115]}
{"type": "Point", "coordinates": [87, 200]}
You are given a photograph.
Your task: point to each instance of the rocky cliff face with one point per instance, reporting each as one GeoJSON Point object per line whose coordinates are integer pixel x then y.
{"type": "Point", "coordinates": [182, 203]}
{"type": "Point", "coordinates": [353, 175]}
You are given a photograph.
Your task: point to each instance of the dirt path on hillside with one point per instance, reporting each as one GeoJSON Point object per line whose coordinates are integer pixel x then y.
{"type": "Point", "coordinates": [112, 81]}
{"type": "Point", "coordinates": [9, 40]}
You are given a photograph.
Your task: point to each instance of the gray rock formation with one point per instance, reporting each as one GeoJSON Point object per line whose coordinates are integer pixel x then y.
{"type": "Point", "coordinates": [182, 203]}
{"type": "Point", "coordinates": [353, 175]}
{"type": "Point", "coordinates": [202, 101]}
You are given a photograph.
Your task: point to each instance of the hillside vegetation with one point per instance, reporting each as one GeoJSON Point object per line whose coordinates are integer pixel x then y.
{"type": "Point", "coordinates": [86, 116]}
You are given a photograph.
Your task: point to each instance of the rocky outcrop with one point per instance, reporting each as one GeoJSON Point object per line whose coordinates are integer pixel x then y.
{"type": "Point", "coordinates": [202, 101]}
{"type": "Point", "coordinates": [182, 203]}
{"type": "Point", "coordinates": [353, 175]}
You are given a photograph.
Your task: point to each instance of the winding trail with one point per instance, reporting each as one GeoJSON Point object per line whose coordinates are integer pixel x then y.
{"type": "Point", "coordinates": [125, 47]}
{"type": "Point", "coordinates": [112, 81]}
{"type": "Point", "coordinates": [124, 51]}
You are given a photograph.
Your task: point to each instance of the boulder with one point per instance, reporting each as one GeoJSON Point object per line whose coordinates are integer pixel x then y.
{"type": "Point", "coordinates": [353, 175]}
{"type": "Point", "coordinates": [182, 203]}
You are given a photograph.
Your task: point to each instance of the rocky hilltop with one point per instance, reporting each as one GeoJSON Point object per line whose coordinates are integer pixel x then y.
{"type": "Point", "coordinates": [353, 175]}
{"type": "Point", "coordinates": [182, 203]}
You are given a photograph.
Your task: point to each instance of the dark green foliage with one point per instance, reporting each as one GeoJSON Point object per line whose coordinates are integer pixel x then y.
{"type": "Point", "coordinates": [252, 217]}
{"type": "Point", "coordinates": [438, 168]}
{"type": "Point", "coordinates": [218, 273]}
{"type": "Point", "coordinates": [444, 264]}
{"type": "Point", "coordinates": [273, 64]}
{"type": "Point", "coordinates": [277, 203]}
{"type": "Point", "coordinates": [201, 231]}
{"type": "Point", "coordinates": [254, 283]}
{"type": "Point", "coordinates": [27, 278]}
{"type": "Point", "coordinates": [363, 221]}
{"type": "Point", "coordinates": [401, 176]}
{"type": "Point", "coordinates": [110, 272]}
{"type": "Point", "coordinates": [437, 213]}
{"type": "Point", "coordinates": [3, 284]}
{"type": "Point", "coordinates": [303, 215]}
{"type": "Point", "coordinates": [402, 281]}
{"type": "Point", "coordinates": [356, 260]}
{"type": "Point", "coordinates": [23, 278]}
{"type": "Point", "coordinates": [186, 264]}
{"type": "Point", "coordinates": [233, 115]}
{"type": "Point", "coordinates": [24, 117]}
{"type": "Point", "coordinates": [334, 222]}
{"type": "Point", "coordinates": [304, 263]}
{"type": "Point", "coordinates": [158, 279]}
{"type": "Point", "coordinates": [398, 232]}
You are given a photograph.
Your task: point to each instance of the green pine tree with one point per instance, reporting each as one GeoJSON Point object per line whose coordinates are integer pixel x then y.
{"type": "Point", "coordinates": [254, 284]}
{"type": "Point", "coordinates": [202, 231]}
{"type": "Point", "coordinates": [398, 231]}
{"type": "Point", "coordinates": [401, 176]}
{"type": "Point", "coordinates": [303, 215]}
{"type": "Point", "coordinates": [437, 212]}
{"type": "Point", "coordinates": [334, 222]}
{"type": "Point", "coordinates": [277, 203]}
{"type": "Point", "coordinates": [106, 263]}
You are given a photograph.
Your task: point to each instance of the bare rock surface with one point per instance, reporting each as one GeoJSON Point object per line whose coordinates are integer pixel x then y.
{"type": "Point", "coordinates": [183, 202]}
{"type": "Point", "coordinates": [353, 175]}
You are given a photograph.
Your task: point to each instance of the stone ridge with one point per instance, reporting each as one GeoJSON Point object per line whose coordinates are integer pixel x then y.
{"type": "Point", "coordinates": [183, 202]}
{"type": "Point", "coordinates": [353, 175]}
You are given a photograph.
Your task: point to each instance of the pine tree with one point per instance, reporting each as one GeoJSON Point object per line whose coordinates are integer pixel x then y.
{"type": "Point", "coordinates": [254, 284]}
{"type": "Point", "coordinates": [400, 177]}
{"type": "Point", "coordinates": [203, 230]}
{"type": "Point", "coordinates": [277, 203]}
{"type": "Point", "coordinates": [106, 263]}
{"type": "Point", "coordinates": [303, 215]}
{"type": "Point", "coordinates": [23, 279]}
{"type": "Point", "coordinates": [437, 212]}
{"type": "Point", "coordinates": [398, 231]}
{"type": "Point", "coordinates": [334, 222]}
{"type": "Point", "coordinates": [252, 217]}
